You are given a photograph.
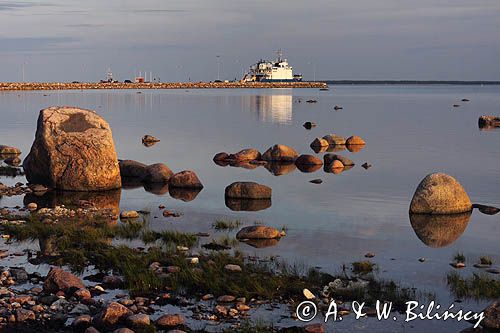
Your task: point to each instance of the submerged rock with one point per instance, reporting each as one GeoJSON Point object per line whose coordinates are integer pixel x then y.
{"type": "Point", "coordinates": [73, 150]}
{"type": "Point", "coordinates": [185, 179]}
{"type": "Point", "coordinates": [439, 193]}
{"type": "Point", "coordinates": [280, 153]}
{"type": "Point", "coordinates": [259, 232]}
{"type": "Point", "coordinates": [248, 190]}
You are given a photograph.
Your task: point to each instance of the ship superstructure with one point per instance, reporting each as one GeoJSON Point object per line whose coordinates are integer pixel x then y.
{"type": "Point", "coordinates": [272, 71]}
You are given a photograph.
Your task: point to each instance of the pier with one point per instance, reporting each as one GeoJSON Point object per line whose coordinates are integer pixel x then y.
{"type": "Point", "coordinates": [15, 86]}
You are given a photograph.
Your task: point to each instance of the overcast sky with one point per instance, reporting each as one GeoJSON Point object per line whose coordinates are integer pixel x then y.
{"type": "Point", "coordinates": [345, 39]}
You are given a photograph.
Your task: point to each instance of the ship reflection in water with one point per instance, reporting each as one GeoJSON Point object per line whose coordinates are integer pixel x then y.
{"type": "Point", "coordinates": [271, 108]}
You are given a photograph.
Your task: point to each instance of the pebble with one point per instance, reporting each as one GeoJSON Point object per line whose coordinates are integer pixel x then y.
{"type": "Point", "coordinates": [308, 294]}
{"type": "Point", "coordinates": [316, 181]}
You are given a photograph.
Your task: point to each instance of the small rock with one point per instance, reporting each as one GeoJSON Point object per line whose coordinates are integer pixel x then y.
{"type": "Point", "coordinates": [170, 321]}
{"type": "Point", "coordinates": [314, 328]}
{"type": "Point", "coordinates": [226, 299]}
{"type": "Point", "coordinates": [370, 255]}
{"type": "Point", "coordinates": [185, 179]}
{"type": "Point", "coordinates": [32, 207]}
{"type": "Point", "coordinates": [82, 321]}
{"type": "Point", "coordinates": [457, 265]}
{"type": "Point", "coordinates": [316, 181]}
{"type": "Point", "coordinates": [138, 320]}
{"type": "Point", "coordinates": [354, 140]}
{"type": "Point", "coordinates": [221, 310]}
{"type": "Point", "coordinates": [247, 190]}
{"type": "Point", "coordinates": [319, 142]}
{"type": "Point", "coordinates": [24, 315]}
{"type": "Point", "coordinates": [233, 268]}
{"type": "Point", "coordinates": [129, 214]}
{"type": "Point", "coordinates": [421, 259]}
{"type": "Point", "coordinates": [308, 294]}
{"type": "Point", "coordinates": [309, 125]}
{"type": "Point", "coordinates": [366, 165]}
{"type": "Point", "coordinates": [336, 107]}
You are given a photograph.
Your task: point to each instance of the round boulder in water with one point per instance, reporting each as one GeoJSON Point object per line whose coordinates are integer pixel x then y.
{"type": "Point", "coordinates": [439, 193]}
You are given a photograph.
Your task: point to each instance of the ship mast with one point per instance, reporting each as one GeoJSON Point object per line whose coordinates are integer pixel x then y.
{"type": "Point", "coordinates": [280, 55]}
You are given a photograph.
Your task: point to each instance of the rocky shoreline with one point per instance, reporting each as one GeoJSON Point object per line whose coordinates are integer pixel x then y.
{"type": "Point", "coordinates": [14, 86]}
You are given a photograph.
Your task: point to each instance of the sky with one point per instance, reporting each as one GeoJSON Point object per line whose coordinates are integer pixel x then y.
{"type": "Point", "coordinates": [67, 40]}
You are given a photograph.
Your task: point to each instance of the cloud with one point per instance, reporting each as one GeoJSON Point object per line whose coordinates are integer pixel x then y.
{"type": "Point", "coordinates": [16, 5]}
{"type": "Point", "coordinates": [34, 43]}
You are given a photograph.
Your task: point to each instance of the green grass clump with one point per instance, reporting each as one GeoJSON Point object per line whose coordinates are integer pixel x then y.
{"type": "Point", "coordinates": [459, 258]}
{"type": "Point", "coordinates": [226, 225]}
{"type": "Point", "coordinates": [478, 286]}
{"type": "Point", "coordinates": [169, 237]}
{"type": "Point", "coordinates": [485, 260]}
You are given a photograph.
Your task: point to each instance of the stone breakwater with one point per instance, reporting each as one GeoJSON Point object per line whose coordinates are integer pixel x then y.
{"type": "Point", "coordinates": [12, 86]}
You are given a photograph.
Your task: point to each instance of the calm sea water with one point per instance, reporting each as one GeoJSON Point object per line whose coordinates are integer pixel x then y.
{"type": "Point", "coordinates": [410, 131]}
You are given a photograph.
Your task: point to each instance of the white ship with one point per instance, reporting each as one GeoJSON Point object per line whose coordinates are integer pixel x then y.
{"type": "Point", "coordinates": [272, 71]}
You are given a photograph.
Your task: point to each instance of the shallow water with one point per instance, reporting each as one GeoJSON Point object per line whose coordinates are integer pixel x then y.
{"type": "Point", "coordinates": [410, 131]}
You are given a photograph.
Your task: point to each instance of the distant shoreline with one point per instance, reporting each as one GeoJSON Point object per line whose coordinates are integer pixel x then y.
{"type": "Point", "coordinates": [20, 86]}
{"type": "Point", "coordinates": [410, 82]}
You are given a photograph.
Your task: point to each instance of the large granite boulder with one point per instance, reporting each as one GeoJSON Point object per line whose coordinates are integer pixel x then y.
{"type": "Point", "coordinates": [280, 153]}
{"type": "Point", "coordinates": [439, 193]}
{"type": "Point", "coordinates": [73, 150]}
{"type": "Point", "coordinates": [248, 190]}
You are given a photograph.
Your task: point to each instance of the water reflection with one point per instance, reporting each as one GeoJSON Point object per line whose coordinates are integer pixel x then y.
{"type": "Point", "coordinates": [280, 169]}
{"type": "Point", "coordinates": [248, 205]}
{"type": "Point", "coordinates": [271, 108]}
{"type": "Point", "coordinates": [261, 243]}
{"type": "Point", "coordinates": [439, 230]}
{"type": "Point", "coordinates": [101, 200]}
{"type": "Point", "coordinates": [184, 194]}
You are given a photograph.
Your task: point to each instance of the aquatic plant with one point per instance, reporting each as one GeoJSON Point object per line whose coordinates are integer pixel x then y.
{"type": "Point", "coordinates": [226, 225]}
{"type": "Point", "coordinates": [362, 267]}
{"type": "Point", "coordinates": [485, 260]}
{"type": "Point", "coordinates": [459, 258]}
{"type": "Point", "coordinates": [478, 286]}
